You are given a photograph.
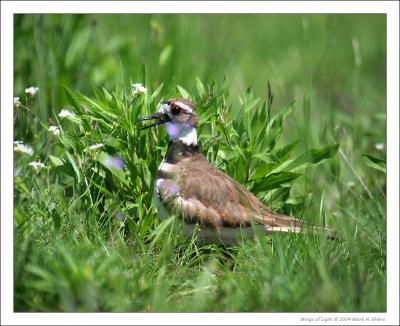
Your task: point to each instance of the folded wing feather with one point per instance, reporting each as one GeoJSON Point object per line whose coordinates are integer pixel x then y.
{"type": "Point", "coordinates": [211, 198]}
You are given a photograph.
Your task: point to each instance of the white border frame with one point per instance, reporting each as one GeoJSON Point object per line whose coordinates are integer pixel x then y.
{"type": "Point", "coordinates": [391, 9]}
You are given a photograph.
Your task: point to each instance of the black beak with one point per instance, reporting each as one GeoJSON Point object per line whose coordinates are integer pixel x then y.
{"type": "Point", "coordinates": [161, 118]}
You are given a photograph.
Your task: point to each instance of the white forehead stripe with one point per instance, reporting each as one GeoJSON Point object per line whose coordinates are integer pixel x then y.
{"type": "Point", "coordinates": [187, 108]}
{"type": "Point", "coordinates": [165, 108]}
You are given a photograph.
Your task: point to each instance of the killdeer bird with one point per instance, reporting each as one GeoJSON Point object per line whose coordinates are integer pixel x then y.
{"type": "Point", "coordinates": [210, 203]}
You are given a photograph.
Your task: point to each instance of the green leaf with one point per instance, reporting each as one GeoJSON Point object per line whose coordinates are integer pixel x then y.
{"type": "Point", "coordinates": [161, 230]}
{"type": "Point", "coordinates": [239, 150]}
{"type": "Point", "coordinates": [76, 48]}
{"type": "Point", "coordinates": [155, 93]}
{"type": "Point", "coordinates": [262, 171]}
{"type": "Point", "coordinates": [274, 129]}
{"type": "Point", "coordinates": [206, 116]}
{"type": "Point", "coordinates": [107, 95]}
{"type": "Point", "coordinates": [71, 159]}
{"type": "Point", "coordinates": [277, 120]}
{"type": "Point", "coordinates": [275, 180]}
{"type": "Point", "coordinates": [97, 108]}
{"type": "Point", "coordinates": [265, 157]}
{"type": "Point", "coordinates": [309, 158]}
{"type": "Point", "coordinates": [102, 189]}
{"type": "Point", "coordinates": [56, 161]}
{"type": "Point", "coordinates": [75, 119]}
{"type": "Point", "coordinates": [285, 151]}
{"type": "Point", "coordinates": [251, 105]}
{"type": "Point", "coordinates": [200, 87]}
{"type": "Point", "coordinates": [71, 98]}
{"type": "Point", "coordinates": [375, 162]}
{"type": "Point", "coordinates": [165, 55]}
{"type": "Point", "coordinates": [183, 92]}
{"type": "Point", "coordinates": [69, 141]}
{"type": "Point", "coordinates": [276, 197]}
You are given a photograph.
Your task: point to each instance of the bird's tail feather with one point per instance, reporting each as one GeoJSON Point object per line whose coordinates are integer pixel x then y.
{"type": "Point", "coordinates": [306, 228]}
{"type": "Point", "coordinates": [287, 224]}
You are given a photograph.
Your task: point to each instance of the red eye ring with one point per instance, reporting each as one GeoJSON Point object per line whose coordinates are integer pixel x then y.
{"type": "Point", "coordinates": [175, 110]}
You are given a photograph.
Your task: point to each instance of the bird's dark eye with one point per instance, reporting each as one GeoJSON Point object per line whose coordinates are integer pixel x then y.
{"type": "Point", "coordinates": [175, 110]}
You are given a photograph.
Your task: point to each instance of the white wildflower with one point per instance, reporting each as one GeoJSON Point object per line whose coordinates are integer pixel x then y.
{"type": "Point", "coordinates": [65, 114]}
{"type": "Point", "coordinates": [379, 146]}
{"type": "Point", "coordinates": [54, 130]}
{"type": "Point", "coordinates": [20, 147]}
{"type": "Point", "coordinates": [138, 89]}
{"type": "Point", "coordinates": [17, 103]}
{"type": "Point", "coordinates": [350, 184]}
{"type": "Point", "coordinates": [94, 147]}
{"type": "Point", "coordinates": [37, 166]}
{"type": "Point", "coordinates": [31, 90]}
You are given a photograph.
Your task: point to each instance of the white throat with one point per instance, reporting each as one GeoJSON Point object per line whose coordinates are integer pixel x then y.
{"type": "Point", "coordinates": [188, 135]}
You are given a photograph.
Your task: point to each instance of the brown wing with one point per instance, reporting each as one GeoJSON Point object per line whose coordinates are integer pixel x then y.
{"type": "Point", "coordinates": [209, 197]}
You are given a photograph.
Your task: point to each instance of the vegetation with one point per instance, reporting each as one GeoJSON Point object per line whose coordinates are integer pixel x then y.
{"type": "Point", "coordinates": [312, 146]}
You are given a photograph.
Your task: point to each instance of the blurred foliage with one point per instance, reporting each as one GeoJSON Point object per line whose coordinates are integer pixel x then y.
{"type": "Point", "coordinates": [87, 237]}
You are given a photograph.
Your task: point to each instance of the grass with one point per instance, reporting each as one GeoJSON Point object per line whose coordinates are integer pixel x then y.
{"type": "Point", "coordinates": [86, 234]}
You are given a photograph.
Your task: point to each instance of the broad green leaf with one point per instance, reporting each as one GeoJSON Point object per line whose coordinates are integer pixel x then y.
{"type": "Point", "coordinates": [276, 121]}
{"type": "Point", "coordinates": [165, 55]}
{"type": "Point", "coordinates": [275, 198]}
{"type": "Point", "coordinates": [18, 216]}
{"type": "Point", "coordinates": [183, 92]}
{"type": "Point", "coordinates": [240, 151]}
{"type": "Point", "coordinates": [68, 141]}
{"type": "Point", "coordinates": [76, 47]}
{"type": "Point", "coordinates": [200, 87]}
{"type": "Point", "coordinates": [285, 151]}
{"type": "Point", "coordinates": [71, 98]}
{"type": "Point", "coordinates": [75, 119]}
{"type": "Point", "coordinates": [274, 180]}
{"type": "Point", "coordinates": [250, 105]}
{"type": "Point", "coordinates": [267, 158]}
{"type": "Point", "coordinates": [71, 159]}
{"type": "Point", "coordinates": [56, 161]}
{"type": "Point", "coordinates": [101, 188]}
{"type": "Point", "coordinates": [274, 129]}
{"type": "Point", "coordinates": [98, 171]}
{"type": "Point", "coordinates": [206, 116]}
{"type": "Point", "coordinates": [155, 93]}
{"type": "Point", "coordinates": [375, 162]}
{"type": "Point", "coordinates": [107, 95]}
{"type": "Point", "coordinates": [227, 154]}
{"type": "Point", "coordinates": [161, 229]}
{"type": "Point", "coordinates": [18, 182]}
{"type": "Point", "coordinates": [38, 271]}
{"type": "Point", "coordinates": [99, 107]}
{"type": "Point", "coordinates": [262, 171]}
{"type": "Point", "coordinates": [309, 158]}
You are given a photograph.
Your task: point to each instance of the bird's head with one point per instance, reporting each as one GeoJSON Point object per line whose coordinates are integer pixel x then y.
{"type": "Point", "coordinates": [179, 118]}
